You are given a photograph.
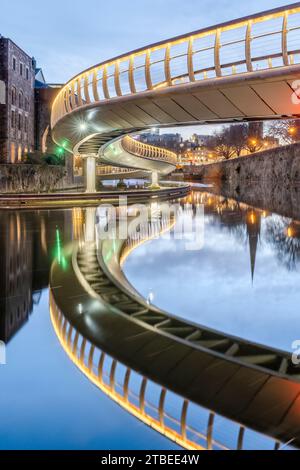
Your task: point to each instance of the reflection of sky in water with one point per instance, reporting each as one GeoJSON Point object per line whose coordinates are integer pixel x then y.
{"type": "Point", "coordinates": [46, 403]}
{"type": "Point", "coordinates": [213, 286]}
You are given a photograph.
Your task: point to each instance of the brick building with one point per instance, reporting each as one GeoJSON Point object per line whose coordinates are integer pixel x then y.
{"type": "Point", "coordinates": [25, 105]}
{"type": "Point", "coordinates": [17, 71]}
{"type": "Point", "coordinates": [44, 96]}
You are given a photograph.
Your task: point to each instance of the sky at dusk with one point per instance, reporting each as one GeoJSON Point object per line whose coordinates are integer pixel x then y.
{"type": "Point", "coordinates": [68, 36]}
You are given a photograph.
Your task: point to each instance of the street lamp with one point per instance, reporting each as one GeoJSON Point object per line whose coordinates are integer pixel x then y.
{"type": "Point", "coordinates": [292, 130]}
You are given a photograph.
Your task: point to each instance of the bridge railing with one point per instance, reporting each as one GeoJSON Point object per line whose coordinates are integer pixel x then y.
{"type": "Point", "coordinates": [147, 151]}
{"type": "Point", "coordinates": [260, 42]}
{"type": "Point", "coordinates": [112, 170]}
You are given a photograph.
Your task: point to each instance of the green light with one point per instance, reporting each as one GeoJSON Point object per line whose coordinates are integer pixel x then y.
{"type": "Point", "coordinates": [58, 251]}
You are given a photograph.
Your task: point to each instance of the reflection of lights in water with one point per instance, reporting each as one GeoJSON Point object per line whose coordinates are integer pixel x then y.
{"type": "Point", "coordinates": [290, 232]}
{"type": "Point", "coordinates": [252, 218]}
{"type": "Point", "coordinates": [59, 252]}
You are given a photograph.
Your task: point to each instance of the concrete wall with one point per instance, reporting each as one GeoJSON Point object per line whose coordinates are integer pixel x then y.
{"type": "Point", "coordinates": [21, 178]}
{"type": "Point", "coordinates": [280, 165]}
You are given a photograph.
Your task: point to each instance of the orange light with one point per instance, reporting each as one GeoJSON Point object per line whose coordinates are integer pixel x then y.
{"type": "Point", "coordinates": [292, 130]}
{"type": "Point", "coordinates": [252, 218]}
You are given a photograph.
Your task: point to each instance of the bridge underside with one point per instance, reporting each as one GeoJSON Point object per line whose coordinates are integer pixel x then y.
{"type": "Point", "coordinates": [261, 95]}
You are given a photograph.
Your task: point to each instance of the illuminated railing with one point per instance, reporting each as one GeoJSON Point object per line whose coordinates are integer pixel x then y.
{"type": "Point", "coordinates": [260, 42]}
{"type": "Point", "coordinates": [147, 151]}
{"type": "Point", "coordinates": [113, 170]}
{"type": "Point", "coordinates": [167, 413]}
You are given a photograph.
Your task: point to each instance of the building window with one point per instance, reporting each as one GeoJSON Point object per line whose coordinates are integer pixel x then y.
{"type": "Point", "coordinates": [14, 63]}
{"type": "Point", "coordinates": [27, 73]}
{"type": "Point", "coordinates": [20, 122]}
{"type": "Point", "coordinates": [26, 104]}
{"type": "Point", "coordinates": [20, 99]}
{"type": "Point", "coordinates": [26, 124]}
{"type": "Point", "coordinates": [19, 153]}
{"type": "Point", "coordinates": [12, 152]}
{"type": "Point", "coordinates": [13, 119]}
{"type": "Point", "coordinates": [13, 95]}
{"type": "Point", "coordinates": [21, 69]}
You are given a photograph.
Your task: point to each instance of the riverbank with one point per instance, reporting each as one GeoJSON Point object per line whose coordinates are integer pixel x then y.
{"type": "Point", "coordinates": [279, 165]}
{"type": "Point", "coordinates": [72, 199]}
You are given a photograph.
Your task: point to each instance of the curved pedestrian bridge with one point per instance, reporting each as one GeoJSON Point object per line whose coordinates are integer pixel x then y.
{"type": "Point", "coordinates": [97, 314]}
{"type": "Point", "coordinates": [240, 70]}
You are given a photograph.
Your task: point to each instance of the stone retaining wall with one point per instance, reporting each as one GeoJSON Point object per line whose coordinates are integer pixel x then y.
{"type": "Point", "coordinates": [281, 165]}
{"type": "Point", "coordinates": [23, 178]}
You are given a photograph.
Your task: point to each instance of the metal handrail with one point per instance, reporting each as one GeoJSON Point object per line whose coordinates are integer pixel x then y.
{"type": "Point", "coordinates": [135, 72]}
{"type": "Point", "coordinates": [147, 151]}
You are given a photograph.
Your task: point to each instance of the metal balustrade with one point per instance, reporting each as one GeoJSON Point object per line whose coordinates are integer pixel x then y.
{"type": "Point", "coordinates": [228, 49]}
{"type": "Point", "coordinates": [147, 151]}
{"type": "Point", "coordinates": [114, 170]}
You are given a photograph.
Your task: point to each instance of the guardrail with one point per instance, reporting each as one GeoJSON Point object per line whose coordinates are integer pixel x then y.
{"type": "Point", "coordinates": [227, 49]}
{"type": "Point", "coordinates": [150, 152]}
{"type": "Point", "coordinates": [112, 170]}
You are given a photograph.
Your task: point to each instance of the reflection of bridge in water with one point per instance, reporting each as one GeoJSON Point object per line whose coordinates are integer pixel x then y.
{"type": "Point", "coordinates": [106, 327]}
{"type": "Point", "coordinates": [102, 370]}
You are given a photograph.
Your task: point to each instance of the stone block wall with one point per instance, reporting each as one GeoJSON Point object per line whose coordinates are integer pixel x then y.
{"type": "Point", "coordinates": [281, 164]}
{"type": "Point", "coordinates": [23, 178]}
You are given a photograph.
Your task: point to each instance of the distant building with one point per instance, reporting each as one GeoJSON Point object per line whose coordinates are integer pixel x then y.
{"type": "Point", "coordinates": [169, 141]}
{"type": "Point", "coordinates": [256, 129]}
{"type": "Point", "coordinates": [17, 71]}
{"type": "Point", "coordinates": [201, 140]}
{"type": "Point", "coordinates": [44, 96]}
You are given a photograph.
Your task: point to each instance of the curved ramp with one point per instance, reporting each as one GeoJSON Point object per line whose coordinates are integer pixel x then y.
{"type": "Point", "coordinates": [127, 152]}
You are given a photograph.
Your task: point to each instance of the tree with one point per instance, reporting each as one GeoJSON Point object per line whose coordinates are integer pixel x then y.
{"type": "Point", "coordinates": [254, 144]}
{"type": "Point", "coordinates": [221, 144]}
{"type": "Point", "coordinates": [238, 137]}
{"type": "Point", "coordinates": [288, 131]}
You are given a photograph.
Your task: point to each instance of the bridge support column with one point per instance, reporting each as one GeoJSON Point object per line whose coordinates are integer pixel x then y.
{"type": "Point", "coordinates": [154, 180]}
{"type": "Point", "coordinates": [90, 173]}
